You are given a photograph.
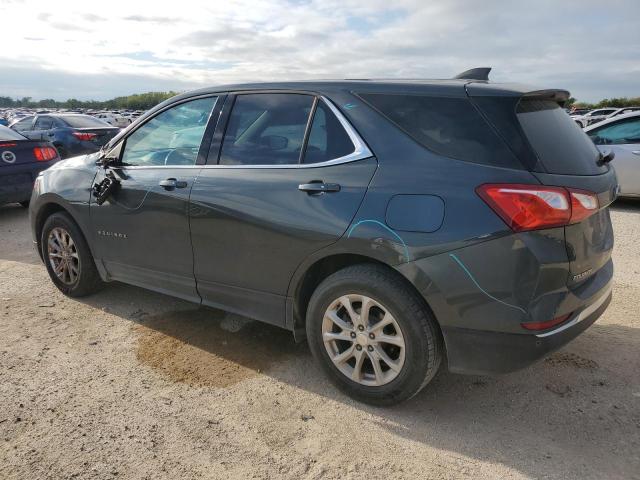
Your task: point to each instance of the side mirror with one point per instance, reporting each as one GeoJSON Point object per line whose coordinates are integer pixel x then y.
{"type": "Point", "coordinates": [606, 156]}
{"type": "Point", "coordinates": [110, 155]}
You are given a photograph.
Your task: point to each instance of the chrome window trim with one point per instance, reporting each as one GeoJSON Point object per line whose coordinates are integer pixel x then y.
{"type": "Point", "coordinates": [361, 151]}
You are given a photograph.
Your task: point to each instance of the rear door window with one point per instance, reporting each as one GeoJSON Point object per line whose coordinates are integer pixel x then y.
{"type": "Point", "coordinates": [560, 144]}
{"type": "Point", "coordinates": [328, 139]}
{"type": "Point", "coordinates": [266, 129]}
{"type": "Point", "coordinates": [449, 126]}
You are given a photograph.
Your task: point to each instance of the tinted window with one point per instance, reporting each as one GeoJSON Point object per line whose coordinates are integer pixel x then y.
{"type": "Point", "coordinates": [448, 126]}
{"type": "Point", "coordinates": [8, 134]}
{"type": "Point", "coordinates": [560, 144]}
{"type": "Point", "coordinates": [266, 129]}
{"type": "Point", "coordinates": [83, 121]}
{"type": "Point", "coordinates": [23, 125]}
{"type": "Point", "coordinates": [327, 139]}
{"type": "Point", "coordinates": [172, 137]}
{"type": "Point", "coordinates": [43, 123]}
{"type": "Point", "coordinates": [621, 132]}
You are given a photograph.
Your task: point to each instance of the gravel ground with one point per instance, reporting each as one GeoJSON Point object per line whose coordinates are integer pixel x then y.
{"type": "Point", "coordinates": [133, 384]}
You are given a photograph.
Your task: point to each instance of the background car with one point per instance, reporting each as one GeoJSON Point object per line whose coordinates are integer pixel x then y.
{"type": "Point", "coordinates": [622, 135]}
{"type": "Point", "coordinates": [114, 119]}
{"type": "Point", "coordinates": [596, 116]}
{"type": "Point", "coordinates": [21, 160]}
{"type": "Point", "coordinates": [71, 134]}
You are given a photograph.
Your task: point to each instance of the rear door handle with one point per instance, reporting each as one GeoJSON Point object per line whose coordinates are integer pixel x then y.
{"type": "Point", "coordinates": [319, 187]}
{"type": "Point", "coordinates": [171, 183]}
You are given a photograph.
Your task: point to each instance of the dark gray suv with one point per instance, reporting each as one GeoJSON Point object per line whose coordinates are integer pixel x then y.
{"type": "Point", "coordinates": [392, 224]}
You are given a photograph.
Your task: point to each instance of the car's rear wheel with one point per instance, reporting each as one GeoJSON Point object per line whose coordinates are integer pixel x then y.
{"type": "Point", "coordinates": [67, 257]}
{"type": "Point", "coordinates": [374, 337]}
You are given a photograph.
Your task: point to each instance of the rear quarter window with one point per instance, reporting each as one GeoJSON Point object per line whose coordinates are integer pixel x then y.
{"type": "Point", "coordinates": [449, 126]}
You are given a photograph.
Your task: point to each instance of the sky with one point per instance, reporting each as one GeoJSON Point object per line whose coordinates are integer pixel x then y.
{"type": "Point", "coordinates": [98, 50]}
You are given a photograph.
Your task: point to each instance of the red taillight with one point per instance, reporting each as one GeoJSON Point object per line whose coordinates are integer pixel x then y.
{"type": "Point", "coordinates": [545, 325]}
{"type": "Point", "coordinates": [583, 205]}
{"type": "Point", "coordinates": [533, 207]}
{"type": "Point", "coordinates": [84, 135]}
{"type": "Point", "coordinates": [7, 145]}
{"type": "Point", "coordinates": [44, 154]}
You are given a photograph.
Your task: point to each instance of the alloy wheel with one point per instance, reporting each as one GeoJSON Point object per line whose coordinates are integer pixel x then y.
{"type": "Point", "coordinates": [63, 256]}
{"type": "Point", "coordinates": [363, 340]}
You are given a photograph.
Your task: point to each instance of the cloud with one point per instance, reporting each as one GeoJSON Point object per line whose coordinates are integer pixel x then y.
{"type": "Point", "coordinates": [585, 46]}
{"type": "Point", "coordinates": [143, 18]}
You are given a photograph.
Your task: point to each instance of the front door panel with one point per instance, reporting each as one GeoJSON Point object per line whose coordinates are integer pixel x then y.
{"type": "Point", "coordinates": [142, 230]}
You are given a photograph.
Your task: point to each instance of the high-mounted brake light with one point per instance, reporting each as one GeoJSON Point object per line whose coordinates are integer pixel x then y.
{"type": "Point", "coordinates": [84, 135]}
{"type": "Point", "coordinates": [44, 154]}
{"type": "Point", "coordinates": [534, 207]}
{"type": "Point", "coordinates": [7, 145]}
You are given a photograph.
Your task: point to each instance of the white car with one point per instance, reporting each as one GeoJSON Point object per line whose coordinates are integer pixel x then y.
{"type": "Point", "coordinates": [621, 134]}
{"type": "Point", "coordinates": [114, 119]}
{"type": "Point", "coordinates": [596, 116]}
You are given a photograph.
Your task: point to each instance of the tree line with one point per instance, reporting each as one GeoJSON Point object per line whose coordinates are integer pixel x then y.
{"type": "Point", "coordinates": [605, 103]}
{"type": "Point", "coordinates": [144, 101]}
{"type": "Point", "coordinates": [138, 101]}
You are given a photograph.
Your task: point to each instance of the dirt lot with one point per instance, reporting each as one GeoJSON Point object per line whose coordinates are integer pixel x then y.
{"type": "Point", "coordinates": [132, 384]}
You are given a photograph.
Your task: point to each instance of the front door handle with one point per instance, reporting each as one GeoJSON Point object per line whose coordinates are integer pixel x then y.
{"type": "Point", "coordinates": [635, 152]}
{"type": "Point", "coordinates": [318, 187]}
{"type": "Point", "coordinates": [171, 183]}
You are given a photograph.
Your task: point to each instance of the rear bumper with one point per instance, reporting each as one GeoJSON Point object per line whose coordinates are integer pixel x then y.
{"type": "Point", "coordinates": [482, 352]}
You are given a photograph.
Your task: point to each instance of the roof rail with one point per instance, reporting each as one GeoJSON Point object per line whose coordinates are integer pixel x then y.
{"type": "Point", "coordinates": [480, 73]}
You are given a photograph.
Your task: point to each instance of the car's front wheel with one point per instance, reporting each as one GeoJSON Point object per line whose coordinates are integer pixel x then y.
{"type": "Point", "coordinates": [373, 336]}
{"type": "Point", "coordinates": [67, 257]}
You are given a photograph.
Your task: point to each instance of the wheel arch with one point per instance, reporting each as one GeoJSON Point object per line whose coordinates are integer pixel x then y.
{"type": "Point", "coordinates": [316, 272]}
{"type": "Point", "coordinates": [44, 211]}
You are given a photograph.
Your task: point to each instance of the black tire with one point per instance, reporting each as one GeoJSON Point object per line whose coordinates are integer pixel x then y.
{"type": "Point", "coordinates": [423, 341]}
{"type": "Point", "coordinates": [88, 280]}
{"type": "Point", "coordinates": [25, 204]}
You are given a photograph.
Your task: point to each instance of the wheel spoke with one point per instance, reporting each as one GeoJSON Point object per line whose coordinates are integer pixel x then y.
{"type": "Point", "coordinates": [344, 356]}
{"type": "Point", "coordinates": [391, 340]}
{"type": "Point", "coordinates": [346, 303]}
{"type": "Point", "coordinates": [393, 364]}
{"type": "Point", "coordinates": [386, 320]}
{"type": "Point", "coordinates": [377, 369]}
{"type": "Point", "coordinates": [367, 303]}
{"type": "Point", "coordinates": [333, 316]}
{"type": "Point", "coordinates": [332, 336]}
{"type": "Point", "coordinates": [357, 368]}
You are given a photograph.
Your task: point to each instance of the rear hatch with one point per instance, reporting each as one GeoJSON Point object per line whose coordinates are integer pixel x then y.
{"type": "Point", "coordinates": [557, 152]}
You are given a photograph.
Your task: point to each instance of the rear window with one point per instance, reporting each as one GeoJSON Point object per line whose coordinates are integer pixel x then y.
{"type": "Point", "coordinates": [560, 144]}
{"type": "Point", "coordinates": [84, 121]}
{"type": "Point", "coordinates": [446, 125]}
{"type": "Point", "coordinates": [8, 134]}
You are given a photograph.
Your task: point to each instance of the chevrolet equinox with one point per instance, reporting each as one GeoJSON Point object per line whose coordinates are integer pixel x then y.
{"type": "Point", "coordinates": [393, 224]}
